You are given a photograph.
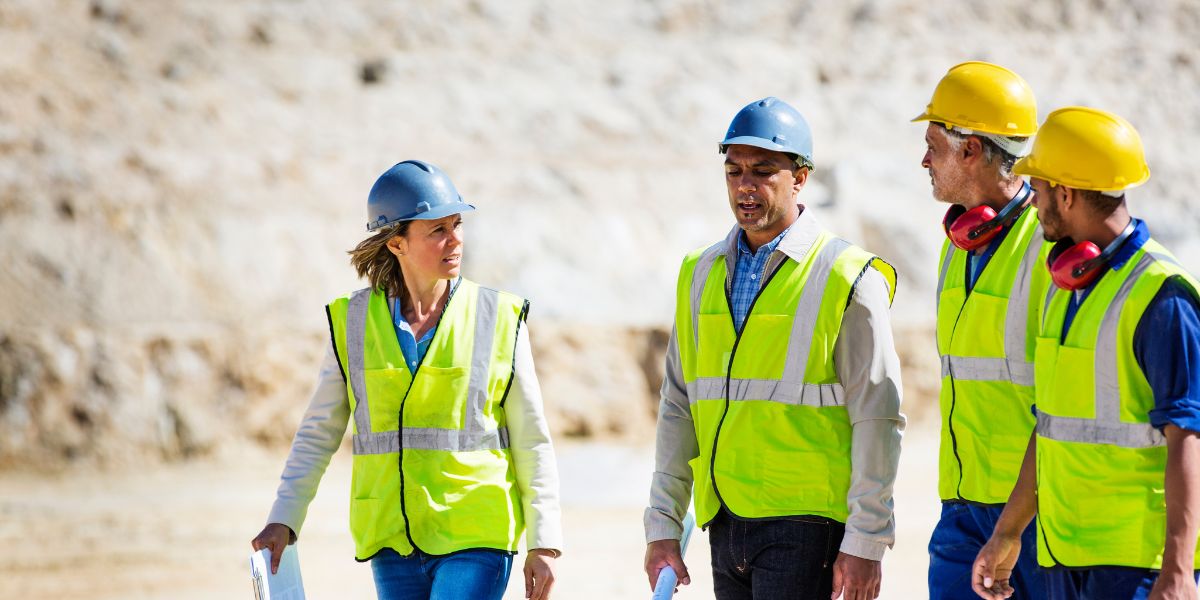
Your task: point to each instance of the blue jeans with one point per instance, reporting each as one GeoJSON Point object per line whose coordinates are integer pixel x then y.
{"type": "Point", "coordinates": [959, 535]}
{"type": "Point", "coordinates": [769, 559]}
{"type": "Point", "coordinates": [1100, 583]}
{"type": "Point", "coordinates": [467, 575]}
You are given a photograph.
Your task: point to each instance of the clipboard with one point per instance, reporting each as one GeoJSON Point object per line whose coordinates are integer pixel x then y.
{"type": "Point", "coordinates": [286, 584]}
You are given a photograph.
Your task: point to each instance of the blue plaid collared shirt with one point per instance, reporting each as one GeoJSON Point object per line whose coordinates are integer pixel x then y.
{"type": "Point", "coordinates": [747, 276]}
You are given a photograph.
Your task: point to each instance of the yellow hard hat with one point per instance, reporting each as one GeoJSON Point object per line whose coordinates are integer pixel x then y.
{"type": "Point", "coordinates": [1087, 149]}
{"type": "Point", "coordinates": [984, 98]}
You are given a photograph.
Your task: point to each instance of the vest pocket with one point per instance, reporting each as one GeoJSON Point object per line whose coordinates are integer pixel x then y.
{"type": "Point", "coordinates": [1044, 359]}
{"type": "Point", "coordinates": [1005, 466]}
{"type": "Point", "coordinates": [767, 355]}
{"type": "Point", "coordinates": [715, 339]}
{"type": "Point", "coordinates": [385, 389]}
{"type": "Point", "coordinates": [798, 483]}
{"type": "Point", "coordinates": [1073, 390]}
{"type": "Point", "coordinates": [438, 398]}
{"type": "Point", "coordinates": [364, 520]}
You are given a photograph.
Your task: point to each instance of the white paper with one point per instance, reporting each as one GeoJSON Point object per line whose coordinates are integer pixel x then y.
{"type": "Point", "coordinates": [283, 585]}
{"type": "Point", "coordinates": [664, 588]}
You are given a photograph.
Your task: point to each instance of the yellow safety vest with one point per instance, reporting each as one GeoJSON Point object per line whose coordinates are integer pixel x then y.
{"type": "Point", "coordinates": [769, 411]}
{"type": "Point", "coordinates": [985, 338]}
{"type": "Point", "coordinates": [1100, 463]}
{"type": "Point", "coordinates": [431, 462]}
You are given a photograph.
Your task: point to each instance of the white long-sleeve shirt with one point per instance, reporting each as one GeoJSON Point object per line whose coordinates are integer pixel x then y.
{"type": "Point", "coordinates": [324, 424]}
{"type": "Point", "coordinates": [868, 368]}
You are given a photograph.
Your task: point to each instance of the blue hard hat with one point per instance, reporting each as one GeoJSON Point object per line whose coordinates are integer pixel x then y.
{"type": "Point", "coordinates": [412, 190]}
{"type": "Point", "coordinates": [772, 124]}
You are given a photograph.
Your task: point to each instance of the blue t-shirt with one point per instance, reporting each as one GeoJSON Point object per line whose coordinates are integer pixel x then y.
{"type": "Point", "coordinates": [1166, 342]}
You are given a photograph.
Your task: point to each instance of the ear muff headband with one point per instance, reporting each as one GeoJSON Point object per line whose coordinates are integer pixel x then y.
{"type": "Point", "coordinates": [1075, 266]}
{"type": "Point", "coordinates": [973, 229]}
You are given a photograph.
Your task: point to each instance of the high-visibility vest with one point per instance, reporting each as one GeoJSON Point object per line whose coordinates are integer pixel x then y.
{"type": "Point", "coordinates": [769, 411]}
{"type": "Point", "coordinates": [431, 460]}
{"type": "Point", "coordinates": [1101, 465]}
{"type": "Point", "coordinates": [985, 338]}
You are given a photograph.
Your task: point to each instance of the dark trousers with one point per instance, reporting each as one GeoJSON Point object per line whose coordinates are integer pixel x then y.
{"type": "Point", "coordinates": [1100, 583]}
{"type": "Point", "coordinates": [769, 559]}
{"type": "Point", "coordinates": [959, 535]}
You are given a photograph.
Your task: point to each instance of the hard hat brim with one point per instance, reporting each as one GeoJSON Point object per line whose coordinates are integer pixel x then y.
{"type": "Point", "coordinates": [442, 211]}
{"type": "Point", "coordinates": [432, 214]}
{"type": "Point", "coordinates": [758, 142]}
{"type": "Point", "coordinates": [975, 127]}
{"type": "Point", "coordinates": [1023, 168]}
{"type": "Point", "coordinates": [925, 116]}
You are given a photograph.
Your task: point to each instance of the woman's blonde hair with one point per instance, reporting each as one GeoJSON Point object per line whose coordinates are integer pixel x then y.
{"type": "Point", "coordinates": [372, 259]}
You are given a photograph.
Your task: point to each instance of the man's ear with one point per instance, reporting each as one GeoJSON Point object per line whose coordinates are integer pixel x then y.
{"type": "Point", "coordinates": [801, 179]}
{"type": "Point", "coordinates": [972, 148]}
{"type": "Point", "coordinates": [1068, 195]}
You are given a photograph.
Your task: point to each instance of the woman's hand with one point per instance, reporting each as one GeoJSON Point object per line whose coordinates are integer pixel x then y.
{"type": "Point", "coordinates": [539, 573]}
{"type": "Point", "coordinates": [274, 537]}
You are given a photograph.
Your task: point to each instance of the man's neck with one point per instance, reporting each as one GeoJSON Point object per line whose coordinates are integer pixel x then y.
{"type": "Point", "coordinates": [999, 193]}
{"type": "Point", "coordinates": [1103, 232]}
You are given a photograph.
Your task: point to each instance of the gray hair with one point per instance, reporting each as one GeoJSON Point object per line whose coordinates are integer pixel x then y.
{"type": "Point", "coordinates": [994, 148]}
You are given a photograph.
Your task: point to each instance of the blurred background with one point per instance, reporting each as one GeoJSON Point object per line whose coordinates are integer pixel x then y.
{"type": "Point", "coordinates": [180, 180]}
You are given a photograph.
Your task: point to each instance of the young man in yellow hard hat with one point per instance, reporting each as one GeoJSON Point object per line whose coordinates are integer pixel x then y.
{"type": "Point", "coordinates": [1114, 471]}
{"type": "Point", "coordinates": [990, 285]}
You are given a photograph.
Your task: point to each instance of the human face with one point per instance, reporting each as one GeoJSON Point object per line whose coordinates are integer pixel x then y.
{"type": "Point", "coordinates": [762, 185]}
{"type": "Point", "coordinates": [430, 249]}
{"type": "Point", "coordinates": [1046, 199]}
{"type": "Point", "coordinates": [947, 174]}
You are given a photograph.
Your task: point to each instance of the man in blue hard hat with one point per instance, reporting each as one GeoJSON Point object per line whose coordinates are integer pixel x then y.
{"type": "Point", "coordinates": [780, 410]}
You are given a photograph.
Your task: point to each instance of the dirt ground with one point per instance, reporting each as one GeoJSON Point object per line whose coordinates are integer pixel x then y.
{"type": "Point", "coordinates": [183, 531]}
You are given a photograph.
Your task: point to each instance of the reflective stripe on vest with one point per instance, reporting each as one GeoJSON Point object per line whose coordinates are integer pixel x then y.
{"type": "Point", "coordinates": [769, 412]}
{"type": "Point", "coordinates": [1100, 463]}
{"type": "Point", "coordinates": [791, 388]}
{"type": "Point", "coordinates": [1014, 368]}
{"type": "Point", "coordinates": [1107, 427]}
{"type": "Point", "coordinates": [432, 471]}
{"type": "Point", "coordinates": [985, 336]}
{"type": "Point", "coordinates": [474, 435]}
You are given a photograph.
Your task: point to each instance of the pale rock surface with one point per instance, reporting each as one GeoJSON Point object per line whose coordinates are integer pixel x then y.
{"type": "Point", "coordinates": [179, 180]}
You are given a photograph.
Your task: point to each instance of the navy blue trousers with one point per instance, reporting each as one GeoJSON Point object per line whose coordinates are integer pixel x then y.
{"type": "Point", "coordinates": [959, 535]}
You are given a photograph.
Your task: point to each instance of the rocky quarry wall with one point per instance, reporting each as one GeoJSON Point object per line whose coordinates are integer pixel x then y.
{"type": "Point", "coordinates": [179, 180]}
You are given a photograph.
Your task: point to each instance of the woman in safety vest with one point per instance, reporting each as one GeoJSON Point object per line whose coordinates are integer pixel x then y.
{"type": "Point", "coordinates": [452, 455]}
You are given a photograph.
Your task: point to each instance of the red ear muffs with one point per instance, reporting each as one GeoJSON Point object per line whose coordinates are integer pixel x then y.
{"type": "Point", "coordinates": [1073, 266]}
{"type": "Point", "coordinates": [970, 229]}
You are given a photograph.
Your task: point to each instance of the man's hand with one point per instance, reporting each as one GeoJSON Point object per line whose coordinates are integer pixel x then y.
{"type": "Point", "coordinates": [858, 578]}
{"type": "Point", "coordinates": [539, 573]}
{"type": "Point", "coordinates": [1174, 585]}
{"type": "Point", "coordinates": [664, 553]}
{"type": "Point", "coordinates": [994, 566]}
{"type": "Point", "coordinates": [275, 537]}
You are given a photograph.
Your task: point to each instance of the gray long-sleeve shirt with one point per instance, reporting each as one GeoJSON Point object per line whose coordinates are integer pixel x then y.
{"type": "Point", "coordinates": [866, 364]}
